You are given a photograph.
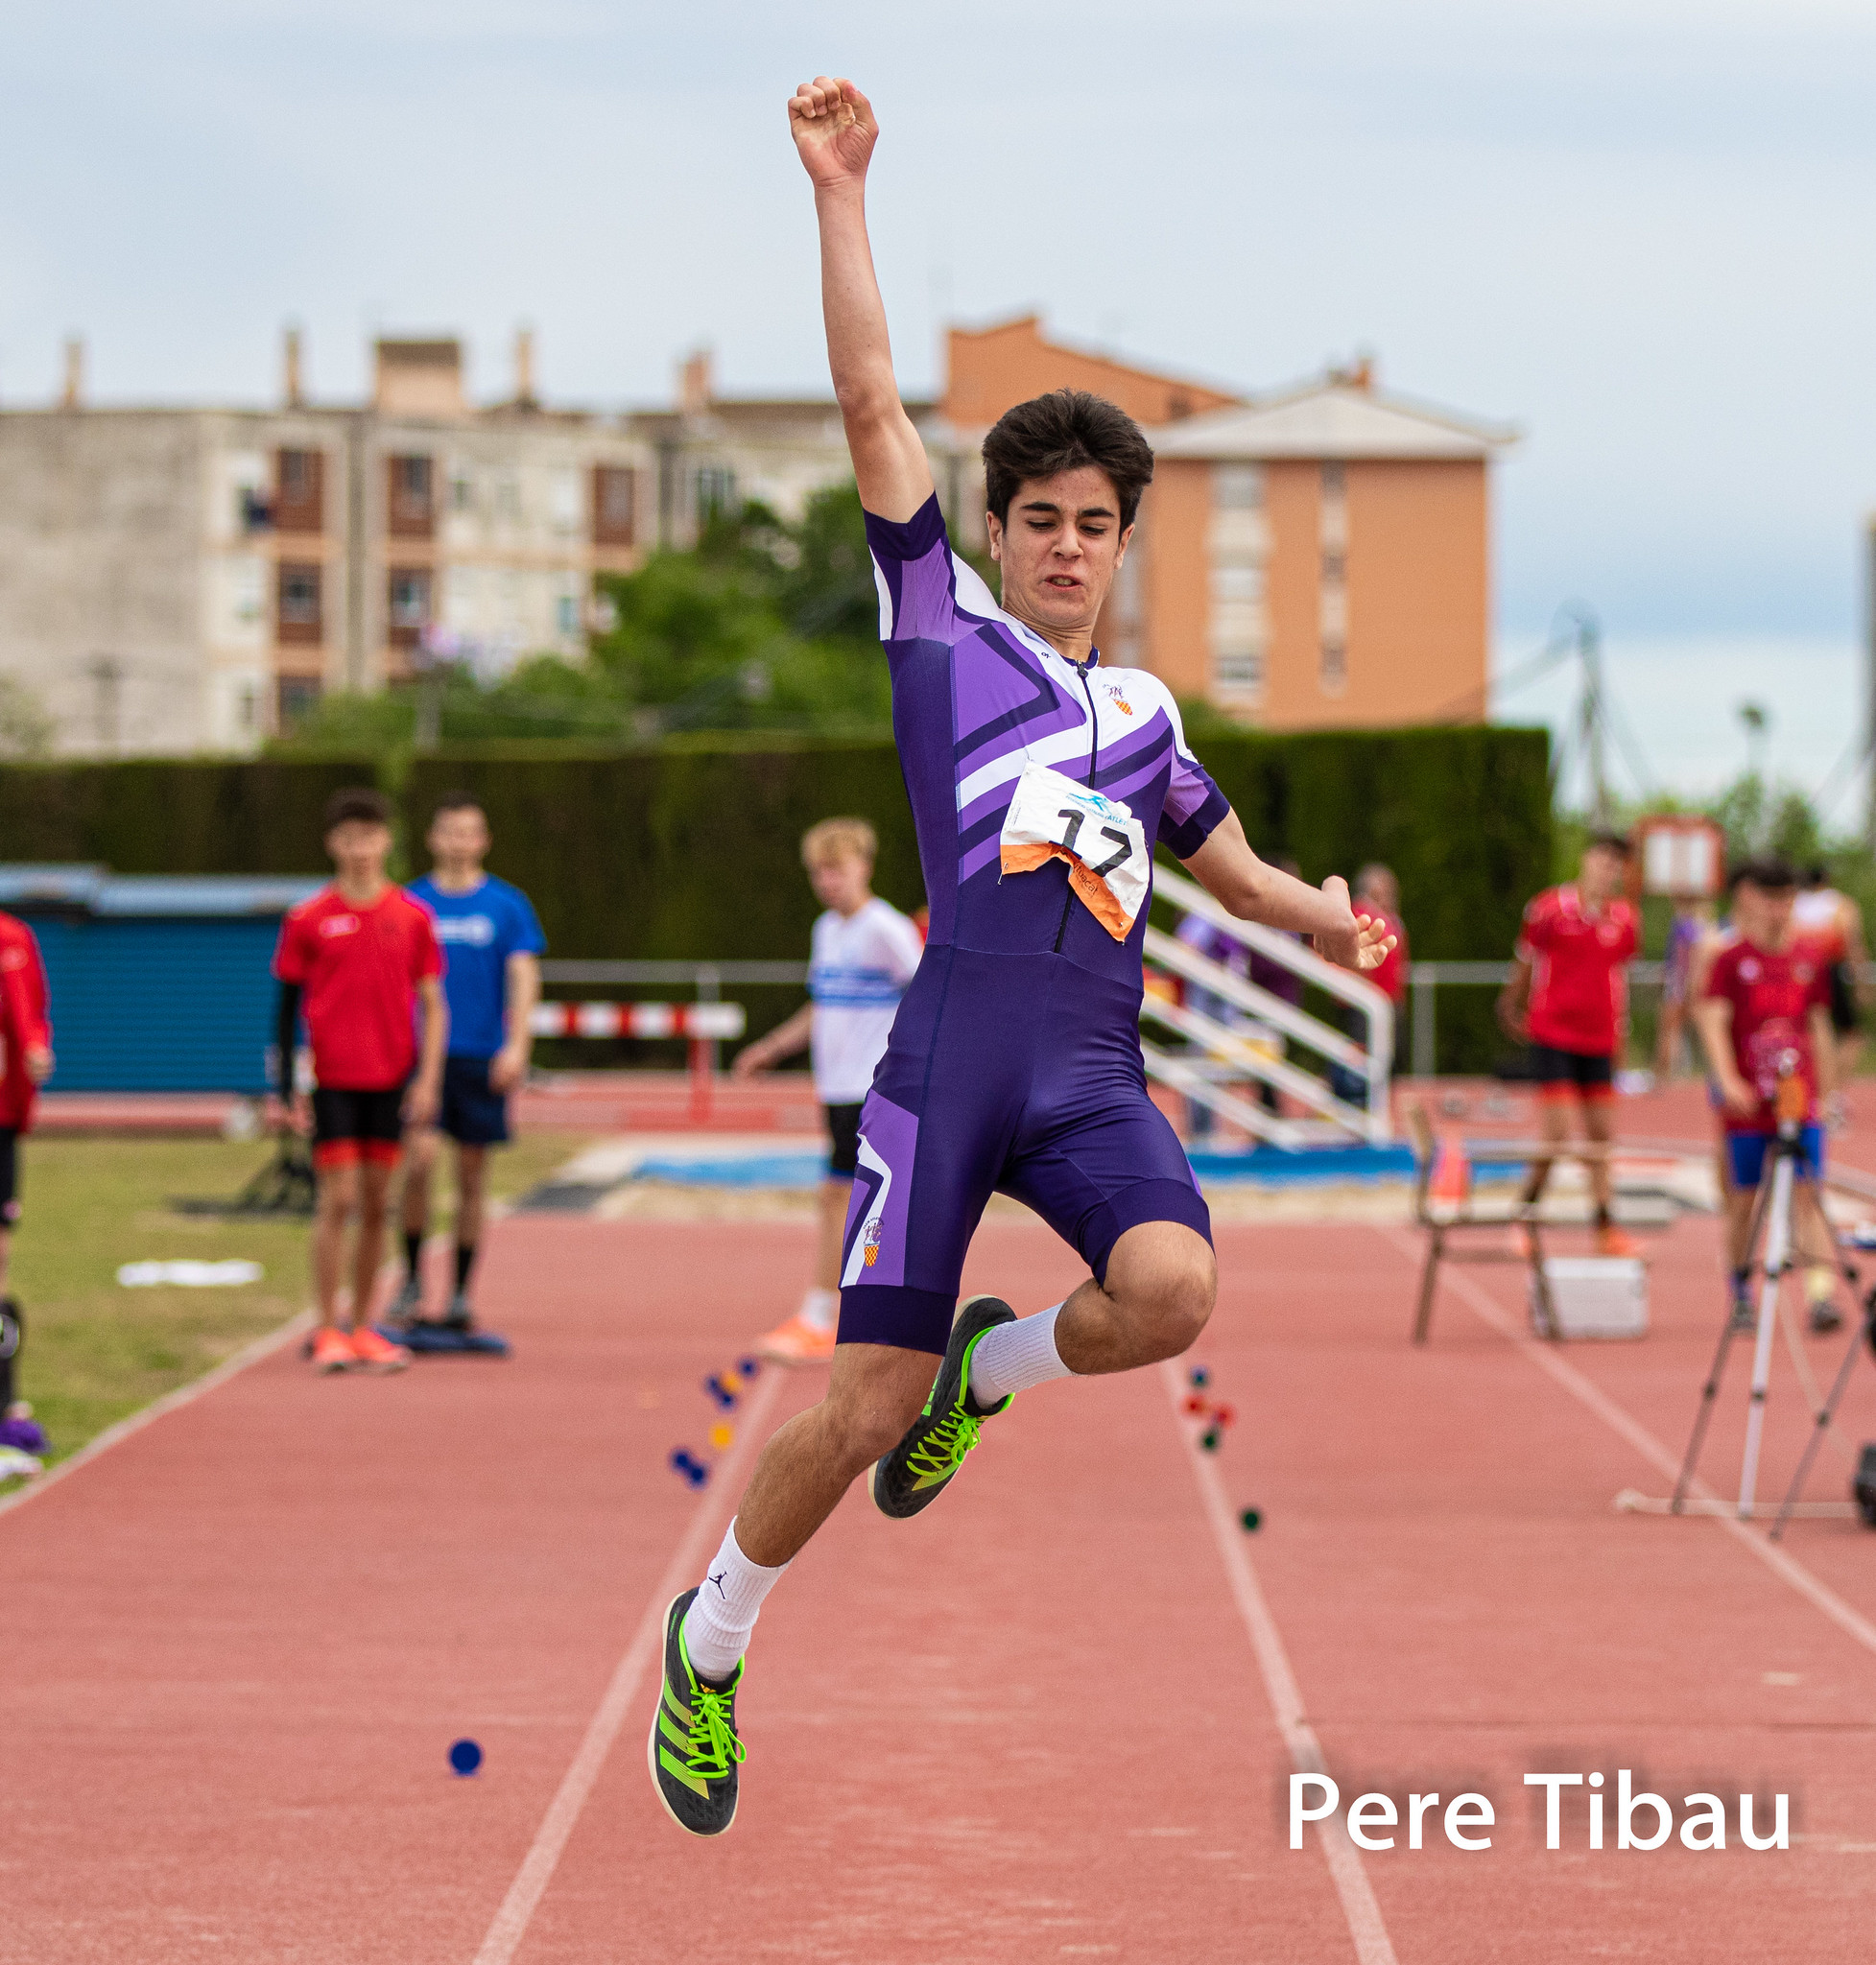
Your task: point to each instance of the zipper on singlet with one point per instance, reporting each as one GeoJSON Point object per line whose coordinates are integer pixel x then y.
{"type": "Point", "coordinates": [1094, 752]}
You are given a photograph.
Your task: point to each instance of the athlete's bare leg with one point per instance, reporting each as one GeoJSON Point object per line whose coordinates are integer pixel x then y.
{"type": "Point", "coordinates": [368, 1252]}
{"type": "Point", "coordinates": [1161, 1284]}
{"type": "Point", "coordinates": [834, 1198]}
{"type": "Point", "coordinates": [1598, 1123]}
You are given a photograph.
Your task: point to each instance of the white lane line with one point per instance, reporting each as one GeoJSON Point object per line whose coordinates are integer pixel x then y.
{"type": "Point", "coordinates": [1373, 1945]}
{"type": "Point", "coordinates": [170, 1402]}
{"type": "Point", "coordinates": [524, 1894]}
{"type": "Point", "coordinates": [1547, 1358]}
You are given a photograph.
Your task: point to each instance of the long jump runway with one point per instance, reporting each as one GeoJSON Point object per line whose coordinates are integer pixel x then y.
{"type": "Point", "coordinates": [1056, 1718]}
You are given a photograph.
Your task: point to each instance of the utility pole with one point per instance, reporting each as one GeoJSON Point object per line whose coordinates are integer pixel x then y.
{"type": "Point", "coordinates": [1589, 651]}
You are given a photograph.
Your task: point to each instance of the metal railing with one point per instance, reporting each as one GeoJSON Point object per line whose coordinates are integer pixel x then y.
{"type": "Point", "coordinates": [1240, 1055]}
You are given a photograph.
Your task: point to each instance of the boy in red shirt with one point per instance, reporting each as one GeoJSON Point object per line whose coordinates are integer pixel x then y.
{"type": "Point", "coordinates": [1565, 998]}
{"type": "Point", "coordinates": [359, 960]}
{"type": "Point", "coordinates": [25, 1064]}
{"type": "Point", "coordinates": [1764, 1015]}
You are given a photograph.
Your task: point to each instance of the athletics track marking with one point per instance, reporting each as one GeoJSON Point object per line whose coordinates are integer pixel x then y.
{"type": "Point", "coordinates": [1545, 1357]}
{"type": "Point", "coordinates": [517, 1908]}
{"type": "Point", "coordinates": [1373, 1945]}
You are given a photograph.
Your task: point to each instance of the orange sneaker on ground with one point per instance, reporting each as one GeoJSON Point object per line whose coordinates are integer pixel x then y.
{"type": "Point", "coordinates": [332, 1350]}
{"type": "Point", "coordinates": [373, 1353]}
{"type": "Point", "coordinates": [797, 1342]}
{"type": "Point", "coordinates": [1611, 1241]}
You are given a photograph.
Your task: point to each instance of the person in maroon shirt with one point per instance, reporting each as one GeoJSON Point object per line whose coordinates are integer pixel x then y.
{"type": "Point", "coordinates": [1764, 1016]}
{"type": "Point", "coordinates": [1566, 998]}
{"type": "Point", "coordinates": [361, 962]}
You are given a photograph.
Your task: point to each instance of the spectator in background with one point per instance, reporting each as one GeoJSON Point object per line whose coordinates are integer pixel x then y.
{"type": "Point", "coordinates": [1831, 923]}
{"type": "Point", "coordinates": [1221, 946]}
{"type": "Point", "coordinates": [863, 953]}
{"type": "Point", "coordinates": [362, 962]}
{"type": "Point", "coordinates": [490, 985]}
{"type": "Point", "coordinates": [1566, 997]}
{"type": "Point", "coordinates": [1692, 924]}
{"type": "Point", "coordinates": [25, 1065]}
{"type": "Point", "coordinates": [1377, 897]}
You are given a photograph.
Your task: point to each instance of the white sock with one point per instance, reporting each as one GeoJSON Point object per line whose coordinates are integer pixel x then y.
{"type": "Point", "coordinates": [722, 1613]}
{"type": "Point", "coordinates": [1013, 1357]}
{"type": "Point", "coordinates": [820, 1309]}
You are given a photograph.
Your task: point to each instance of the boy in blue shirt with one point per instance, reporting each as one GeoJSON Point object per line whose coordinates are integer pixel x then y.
{"type": "Point", "coordinates": [492, 982]}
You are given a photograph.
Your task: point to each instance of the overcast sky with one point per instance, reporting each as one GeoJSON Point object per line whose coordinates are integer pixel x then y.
{"type": "Point", "coordinates": [1642, 231]}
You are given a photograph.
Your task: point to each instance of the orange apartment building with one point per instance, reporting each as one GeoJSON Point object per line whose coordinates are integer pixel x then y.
{"type": "Point", "coordinates": [1315, 558]}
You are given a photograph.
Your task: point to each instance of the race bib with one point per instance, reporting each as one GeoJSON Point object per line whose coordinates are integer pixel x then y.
{"type": "Point", "coordinates": [1053, 817]}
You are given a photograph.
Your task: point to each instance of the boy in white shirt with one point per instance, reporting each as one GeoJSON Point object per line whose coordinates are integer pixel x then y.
{"type": "Point", "coordinates": [863, 955]}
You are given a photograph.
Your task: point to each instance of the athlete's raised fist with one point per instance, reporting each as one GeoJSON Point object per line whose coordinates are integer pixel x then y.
{"type": "Point", "coordinates": [832, 123]}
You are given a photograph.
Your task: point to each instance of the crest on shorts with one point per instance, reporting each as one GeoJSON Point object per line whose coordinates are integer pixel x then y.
{"type": "Point", "coordinates": [871, 1242]}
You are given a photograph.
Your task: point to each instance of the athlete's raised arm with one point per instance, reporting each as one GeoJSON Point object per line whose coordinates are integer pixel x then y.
{"type": "Point", "coordinates": [1231, 873]}
{"type": "Point", "coordinates": [832, 123]}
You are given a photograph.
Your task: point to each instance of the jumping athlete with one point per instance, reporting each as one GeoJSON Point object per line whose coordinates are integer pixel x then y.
{"type": "Point", "coordinates": [1566, 996]}
{"type": "Point", "coordinates": [1039, 782]}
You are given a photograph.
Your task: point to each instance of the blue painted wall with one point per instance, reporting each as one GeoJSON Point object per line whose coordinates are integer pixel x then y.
{"type": "Point", "coordinates": [152, 1005]}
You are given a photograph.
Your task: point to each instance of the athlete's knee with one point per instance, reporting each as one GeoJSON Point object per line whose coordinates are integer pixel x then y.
{"type": "Point", "coordinates": [867, 1420]}
{"type": "Point", "coordinates": [1182, 1304]}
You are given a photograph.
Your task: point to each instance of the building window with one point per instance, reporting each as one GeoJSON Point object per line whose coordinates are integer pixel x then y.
{"type": "Point", "coordinates": [299, 619]}
{"type": "Point", "coordinates": [1238, 487]}
{"type": "Point", "coordinates": [297, 698]}
{"type": "Point", "coordinates": [299, 491]}
{"type": "Point", "coordinates": [1332, 598]}
{"type": "Point", "coordinates": [1238, 675]}
{"type": "Point", "coordinates": [463, 492]}
{"type": "Point", "coordinates": [566, 614]}
{"type": "Point", "coordinates": [412, 510]}
{"type": "Point", "coordinates": [410, 605]}
{"type": "Point", "coordinates": [716, 491]}
{"type": "Point", "coordinates": [614, 499]}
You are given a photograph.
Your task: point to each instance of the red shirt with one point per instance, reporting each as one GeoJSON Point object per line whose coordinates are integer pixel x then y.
{"type": "Point", "coordinates": [358, 969]}
{"type": "Point", "coordinates": [23, 1020]}
{"type": "Point", "coordinates": [1577, 986]}
{"type": "Point", "coordinates": [1390, 978]}
{"type": "Point", "coordinates": [1772, 995]}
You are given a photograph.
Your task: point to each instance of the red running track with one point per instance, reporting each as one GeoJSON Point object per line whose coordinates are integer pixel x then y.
{"type": "Point", "coordinates": [1030, 1725]}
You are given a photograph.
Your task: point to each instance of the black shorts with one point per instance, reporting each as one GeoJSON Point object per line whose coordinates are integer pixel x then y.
{"type": "Point", "coordinates": [1588, 1073]}
{"type": "Point", "coordinates": [349, 1125]}
{"type": "Point", "coordinates": [8, 1176]}
{"type": "Point", "coordinates": [1845, 1015]}
{"type": "Point", "coordinates": [843, 1141]}
{"type": "Point", "coordinates": [470, 1112]}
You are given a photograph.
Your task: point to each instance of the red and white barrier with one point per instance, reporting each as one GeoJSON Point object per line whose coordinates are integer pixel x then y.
{"type": "Point", "coordinates": [697, 1020]}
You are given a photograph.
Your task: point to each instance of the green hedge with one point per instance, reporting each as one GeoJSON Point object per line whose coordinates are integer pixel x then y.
{"type": "Point", "coordinates": [691, 850]}
{"type": "Point", "coordinates": [175, 816]}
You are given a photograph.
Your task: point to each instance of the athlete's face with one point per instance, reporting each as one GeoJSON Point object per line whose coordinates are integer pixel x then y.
{"type": "Point", "coordinates": [359, 848]}
{"type": "Point", "coordinates": [1600, 874]}
{"type": "Point", "coordinates": [1060, 549]}
{"type": "Point", "coordinates": [459, 839]}
{"type": "Point", "coordinates": [1762, 914]}
{"type": "Point", "coordinates": [842, 882]}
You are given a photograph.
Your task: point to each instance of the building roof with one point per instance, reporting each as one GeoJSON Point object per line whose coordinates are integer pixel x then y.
{"type": "Point", "coordinates": [1334, 417]}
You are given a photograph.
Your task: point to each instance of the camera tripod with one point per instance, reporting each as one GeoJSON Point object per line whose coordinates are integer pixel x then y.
{"type": "Point", "coordinates": [1771, 1239]}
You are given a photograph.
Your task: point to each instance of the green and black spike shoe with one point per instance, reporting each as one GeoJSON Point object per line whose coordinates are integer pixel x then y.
{"type": "Point", "coordinates": [919, 1468]}
{"type": "Point", "coordinates": [694, 1752]}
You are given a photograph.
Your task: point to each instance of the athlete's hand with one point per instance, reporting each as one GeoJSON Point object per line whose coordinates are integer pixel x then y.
{"type": "Point", "coordinates": [507, 1068]}
{"type": "Point", "coordinates": [38, 1063]}
{"type": "Point", "coordinates": [1352, 943]}
{"type": "Point", "coordinates": [748, 1060]}
{"type": "Point", "coordinates": [832, 123]}
{"type": "Point", "coordinates": [420, 1102]}
{"type": "Point", "coordinates": [289, 1115]}
{"type": "Point", "coordinates": [1737, 1097]}
{"type": "Point", "coordinates": [1376, 943]}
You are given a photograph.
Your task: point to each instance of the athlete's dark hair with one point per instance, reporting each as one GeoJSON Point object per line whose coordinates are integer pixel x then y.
{"type": "Point", "coordinates": [355, 802]}
{"type": "Point", "coordinates": [1063, 431]}
{"type": "Point", "coordinates": [1613, 841]}
{"type": "Point", "coordinates": [457, 801]}
{"type": "Point", "coordinates": [1774, 875]}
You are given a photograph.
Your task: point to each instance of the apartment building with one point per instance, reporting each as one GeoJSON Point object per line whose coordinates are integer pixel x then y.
{"type": "Point", "coordinates": [191, 578]}
{"type": "Point", "coordinates": [1315, 558]}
